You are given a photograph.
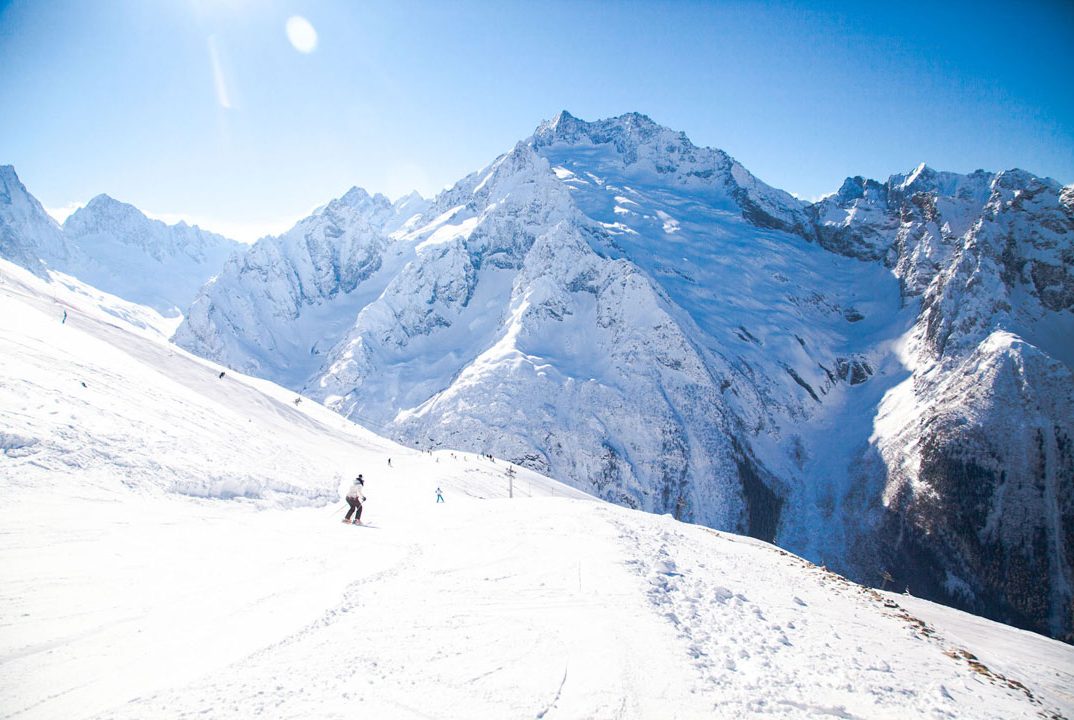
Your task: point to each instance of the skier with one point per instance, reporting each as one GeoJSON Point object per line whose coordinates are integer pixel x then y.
{"type": "Point", "coordinates": [439, 496]}
{"type": "Point", "coordinates": [355, 496]}
{"type": "Point", "coordinates": [221, 375]}
{"type": "Point", "coordinates": [64, 321]}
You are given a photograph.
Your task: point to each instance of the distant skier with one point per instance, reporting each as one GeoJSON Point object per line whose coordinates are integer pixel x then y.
{"type": "Point", "coordinates": [439, 496]}
{"type": "Point", "coordinates": [64, 321]}
{"type": "Point", "coordinates": [389, 462]}
{"type": "Point", "coordinates": [355, 496]}
{"type": "Point", "coordinates": [221, 375]}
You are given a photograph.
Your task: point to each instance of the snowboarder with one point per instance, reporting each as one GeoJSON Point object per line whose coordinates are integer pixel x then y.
{"type": "Point", "coordinates": [439, 496]}
{"type": "Point", "coordinates": [355, 496]}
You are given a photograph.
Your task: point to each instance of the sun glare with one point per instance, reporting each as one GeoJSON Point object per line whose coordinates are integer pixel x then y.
{"type": "Point", "coordinates": [301, 34]}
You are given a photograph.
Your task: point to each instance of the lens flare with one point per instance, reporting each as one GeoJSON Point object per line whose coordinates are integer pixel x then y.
{"type": "Point", "coordinates": [301, 34]}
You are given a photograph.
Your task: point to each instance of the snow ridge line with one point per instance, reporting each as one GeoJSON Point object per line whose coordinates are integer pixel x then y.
{"type": "Point", "coordinates": [929, 633]}
{"type": "Point", "coordinates": [922, 629]}
{"type": "Point", "coordinates": [960, 654]}
{"type": "Point", "coordinates": [744, 649]}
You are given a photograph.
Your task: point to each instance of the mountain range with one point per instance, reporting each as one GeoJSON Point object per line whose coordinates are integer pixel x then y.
{"type": "Point", "coordinates": [112, 246]}
{"type": "Point", "coordinates": [173, 549]}
{"type": "Point", "coordinates": [879, 381]}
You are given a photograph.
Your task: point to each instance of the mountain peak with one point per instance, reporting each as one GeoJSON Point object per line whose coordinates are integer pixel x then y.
{"type": "Point", "coordinates": [411, 196]}
{"type": "Point", "coordinates": [854, 188]}
{"type": "Point", "coordinates": [1017, 179]}
{"type": "Point", "coordinates": [920, 175]}
{"type": "Point", "coordinates": [359, 199]}
{"type": "Point", "coordinates": [104, 200]}
{"type": "Point", "coordinates": [9, 183]}
{"type": "Point", "coordinates": [627, 132]}
{"type": "Point", "coordinates": [355, 195]}
{"type": "Point", "coordinates": [17, 202]}
{"type": "Point", "coordinates": [104, 211]}
{"type": "Point", "coordinates": [563, 116]}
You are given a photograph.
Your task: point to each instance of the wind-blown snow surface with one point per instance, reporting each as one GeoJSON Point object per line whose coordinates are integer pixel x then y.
{"type": "Point", "coordinates": [643, 318]}
{"type": "Point", "coordinates": [172, 549]}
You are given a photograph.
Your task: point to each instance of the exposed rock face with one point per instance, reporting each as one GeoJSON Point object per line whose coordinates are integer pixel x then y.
{"type": "Point", "coordinates": [978, 498]}
{"type": "Point", "coordinates": [982, 515]}
{"type": "Point", "coordinates": [879, 381]}
{"type": "Point", "coordinates": [912, 223]}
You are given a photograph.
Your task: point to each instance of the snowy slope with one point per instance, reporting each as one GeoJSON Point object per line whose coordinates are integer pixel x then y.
{"type": "Point", "coordinates": [183, 557]}
{"type": "Point", "coordinates": [642, 318]}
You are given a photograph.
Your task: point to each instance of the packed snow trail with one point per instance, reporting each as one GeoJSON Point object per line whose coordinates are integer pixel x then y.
{"type": "Point", "coordinates": [172, 547]}
{"type": "Point", "coordinates": [524, 608]}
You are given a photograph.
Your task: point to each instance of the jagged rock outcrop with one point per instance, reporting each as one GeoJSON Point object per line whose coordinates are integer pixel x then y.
{"type": "Point", "coordinates": [976, 445]}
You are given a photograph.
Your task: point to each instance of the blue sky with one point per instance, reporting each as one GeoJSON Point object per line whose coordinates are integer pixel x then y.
{"type": "Point", "coordinates": [205, 110]}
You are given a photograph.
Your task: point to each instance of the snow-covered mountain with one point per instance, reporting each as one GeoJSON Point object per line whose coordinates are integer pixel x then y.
{"type": "Point", "coordinates": [613, 306]}
{"type": "Point", "coordinates": [975, 446]}
{"type": "Point", "coordinates": [143, 260]}
{"type": "Point", "coordinates": [112, 246]}
{"type": "Point", "coordinates": [183, 557]}
{"type": "Point", "coordinates": [272, 308]}
{"type": "Point", "coordinates": [28, 235]}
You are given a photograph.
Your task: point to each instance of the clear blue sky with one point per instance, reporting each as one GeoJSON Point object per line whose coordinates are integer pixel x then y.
{"type": "Point", "coordinates": [204, 109]}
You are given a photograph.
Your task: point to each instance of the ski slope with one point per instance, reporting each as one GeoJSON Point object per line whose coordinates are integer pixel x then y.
{"type": "Point", "coordinates": [172, 548]}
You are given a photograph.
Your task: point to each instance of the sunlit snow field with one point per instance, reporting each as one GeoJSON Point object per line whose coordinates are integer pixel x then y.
{"type": "Point", "coordinates": [172, 547]}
